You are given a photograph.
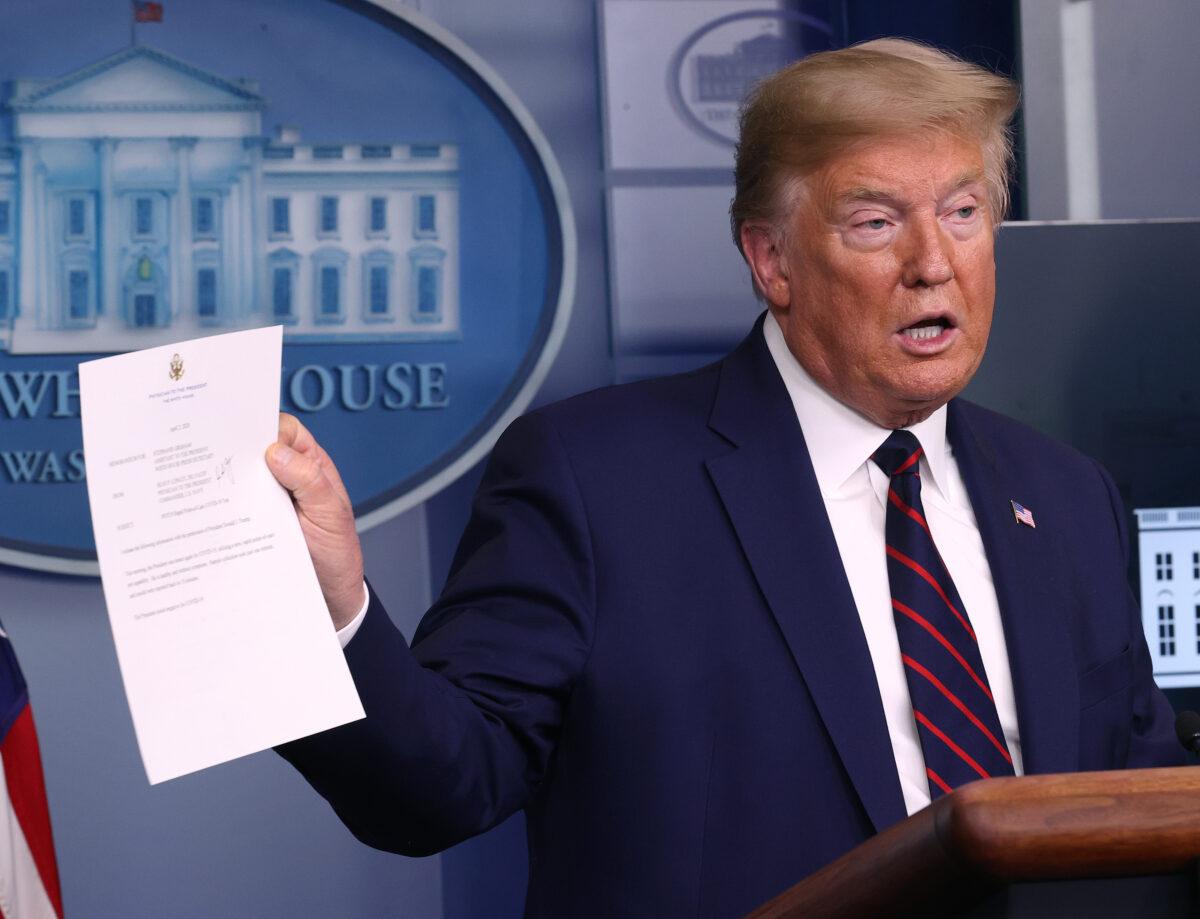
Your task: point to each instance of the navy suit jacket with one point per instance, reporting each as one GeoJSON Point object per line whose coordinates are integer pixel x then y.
{"type": "Point", "coordinates": [648, 642]}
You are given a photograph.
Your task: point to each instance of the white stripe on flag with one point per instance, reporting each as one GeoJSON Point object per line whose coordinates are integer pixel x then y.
{"type": "Point", "coordinates": [22, 895]}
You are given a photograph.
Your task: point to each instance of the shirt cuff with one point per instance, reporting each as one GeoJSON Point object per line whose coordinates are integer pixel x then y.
{"type": "Point", "coordinates": [350, 629]}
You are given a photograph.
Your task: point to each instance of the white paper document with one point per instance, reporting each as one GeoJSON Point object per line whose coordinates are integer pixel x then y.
{"type": "Point", "coordinates": [224, 641]}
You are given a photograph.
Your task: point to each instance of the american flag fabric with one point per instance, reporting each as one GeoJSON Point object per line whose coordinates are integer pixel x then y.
{"type": "Point", "coordinates": [956, 717]}
{"type": "Point", "coordinates": [1023, 514]}
{"type": "Point", "coordinates": [28, 871]}
{"type": "Point", "coordinates": [147, 11]}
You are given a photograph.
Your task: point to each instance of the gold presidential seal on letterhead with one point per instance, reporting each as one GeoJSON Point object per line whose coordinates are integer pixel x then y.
{"type": "Point", "coordinates": [176, 372]}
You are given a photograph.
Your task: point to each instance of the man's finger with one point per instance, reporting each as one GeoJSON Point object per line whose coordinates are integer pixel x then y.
{"type": "Point", "coordinates": [289, 429]}
{"type": "Point", "coordinates": [295, 435]}
{"type": "Point", "coordinates": [299, 473]}
{"type": "Point", "coordinates": [326, 518]}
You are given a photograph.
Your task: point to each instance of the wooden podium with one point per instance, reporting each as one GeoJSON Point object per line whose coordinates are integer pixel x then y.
{"type": "Point", "coordinates": [1030, 846]}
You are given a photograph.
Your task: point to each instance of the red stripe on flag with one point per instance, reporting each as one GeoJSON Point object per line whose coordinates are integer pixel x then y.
{"type": "Point", "coordinates": [147, 11]}
{"type": "Point", "coordinates": [941, 639]}
{"type": "Point", "coordinates": [929, 578]}
{"type": "Point", "coordinates": [937, 780]}
{"type": "Point", "coordinates": [896, 500]}
{"type": "Point", "coordinates": [958, 703]}
{"type": "Point", "coordinates": [27, 793]}
{"type": "Point", "coordinates": [959, 751]}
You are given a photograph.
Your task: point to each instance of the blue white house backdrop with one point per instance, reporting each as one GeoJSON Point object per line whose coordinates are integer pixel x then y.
{"type": "Point", "coordinates": [141, 203]}
{"type": "Point", "coordinates": [351, 171]}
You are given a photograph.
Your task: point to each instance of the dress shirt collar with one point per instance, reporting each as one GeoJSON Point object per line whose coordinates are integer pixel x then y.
{"type": "Point", "coordinates": [839, 439]}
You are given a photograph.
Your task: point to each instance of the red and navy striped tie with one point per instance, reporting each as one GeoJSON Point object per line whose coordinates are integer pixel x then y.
{"type": "Point", "coordinates": [951, 699]}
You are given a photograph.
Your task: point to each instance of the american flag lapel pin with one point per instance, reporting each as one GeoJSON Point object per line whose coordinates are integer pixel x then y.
{"type": "Point", "coordinates": [1023, 515]}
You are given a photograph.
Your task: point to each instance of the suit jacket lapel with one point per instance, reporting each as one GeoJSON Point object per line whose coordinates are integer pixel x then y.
{"type": "Point", "coordinates": [1022, 561]}
{"type": "Point", "coordinates": [769, 490]}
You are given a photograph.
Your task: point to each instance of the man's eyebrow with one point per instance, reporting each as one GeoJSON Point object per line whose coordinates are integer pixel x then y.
{"type": "Point", "coordinates": [970, 177]}
{"type": "Point", "coordinates": [864, 193]}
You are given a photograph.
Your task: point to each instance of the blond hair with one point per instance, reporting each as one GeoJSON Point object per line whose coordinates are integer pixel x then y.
{"type": "Point", "coordinates": [799, 119]}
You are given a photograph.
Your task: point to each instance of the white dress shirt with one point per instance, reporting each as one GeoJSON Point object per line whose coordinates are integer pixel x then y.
{"type": "Point", "coordinates": [840, 443]}
{"type": "Point", "coordinates": [350, 629]}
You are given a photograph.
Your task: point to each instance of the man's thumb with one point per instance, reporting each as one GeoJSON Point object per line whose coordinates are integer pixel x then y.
{"type": "Point", "coordinates": [292, 470]}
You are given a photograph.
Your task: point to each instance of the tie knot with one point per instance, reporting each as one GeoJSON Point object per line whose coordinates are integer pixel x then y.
{"type": "Point", "coordinates": [899, 453]}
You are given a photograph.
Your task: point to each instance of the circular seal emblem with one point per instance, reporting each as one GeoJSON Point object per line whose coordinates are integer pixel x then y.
{"type": "Point", "coordinates": [716, 66]}
{"type": "Point", "coordinates": [350, 171]}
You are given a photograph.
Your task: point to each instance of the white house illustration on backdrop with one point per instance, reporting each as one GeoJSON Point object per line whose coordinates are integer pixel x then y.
{"type": "Point", "coordinates": [140, 203]}
{"type": "Point", "coordinates": [1169, 569]}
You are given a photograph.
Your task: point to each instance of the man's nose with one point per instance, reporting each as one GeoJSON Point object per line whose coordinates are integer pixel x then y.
{"type": "Point", "coordinates": [926, 255]}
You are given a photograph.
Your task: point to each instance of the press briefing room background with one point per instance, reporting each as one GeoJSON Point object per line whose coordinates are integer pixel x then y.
{"type": "Point", "coordinates": [564, 227]}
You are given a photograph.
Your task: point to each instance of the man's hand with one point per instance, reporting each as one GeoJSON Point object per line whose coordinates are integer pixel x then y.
{"type": "Point", "coordinates": [326, 517]}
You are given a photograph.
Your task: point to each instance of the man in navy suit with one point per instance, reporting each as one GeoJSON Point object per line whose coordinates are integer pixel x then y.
{"type": "Point", "coordinates": [668, 634]}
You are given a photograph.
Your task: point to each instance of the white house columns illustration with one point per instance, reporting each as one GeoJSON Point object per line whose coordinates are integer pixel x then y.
{"type": "Point", "coordinates": [140, 203]}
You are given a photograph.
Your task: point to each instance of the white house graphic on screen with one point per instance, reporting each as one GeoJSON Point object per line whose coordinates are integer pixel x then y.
{"type": "Point", "coordinates": [140, 203]}
{"type": "Point", "coordinates": [1169, 553]}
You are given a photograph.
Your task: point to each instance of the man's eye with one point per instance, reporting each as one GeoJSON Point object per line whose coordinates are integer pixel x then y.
{"type": "Point", "coordinates": [877, 223]}
{"type": "Point", "coordinates": [966, 212]}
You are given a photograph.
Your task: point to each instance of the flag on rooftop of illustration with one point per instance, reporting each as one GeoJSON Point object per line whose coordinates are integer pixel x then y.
{"type": "Point", "coordinates": [28, 871]}
{"type": "Point", "coordinates": [147, 11]}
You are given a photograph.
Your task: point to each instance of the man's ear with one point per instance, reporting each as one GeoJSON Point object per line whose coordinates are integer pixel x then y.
{"type": "Point", "coordinates": [762, 248]}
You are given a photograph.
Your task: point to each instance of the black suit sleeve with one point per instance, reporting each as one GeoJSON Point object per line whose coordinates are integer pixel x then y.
{"type": "Point", "coordinates": [459, 730]}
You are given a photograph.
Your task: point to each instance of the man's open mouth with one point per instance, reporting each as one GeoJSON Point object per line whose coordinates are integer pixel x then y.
{"type": "Point", "coordinates": [927, 328]}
